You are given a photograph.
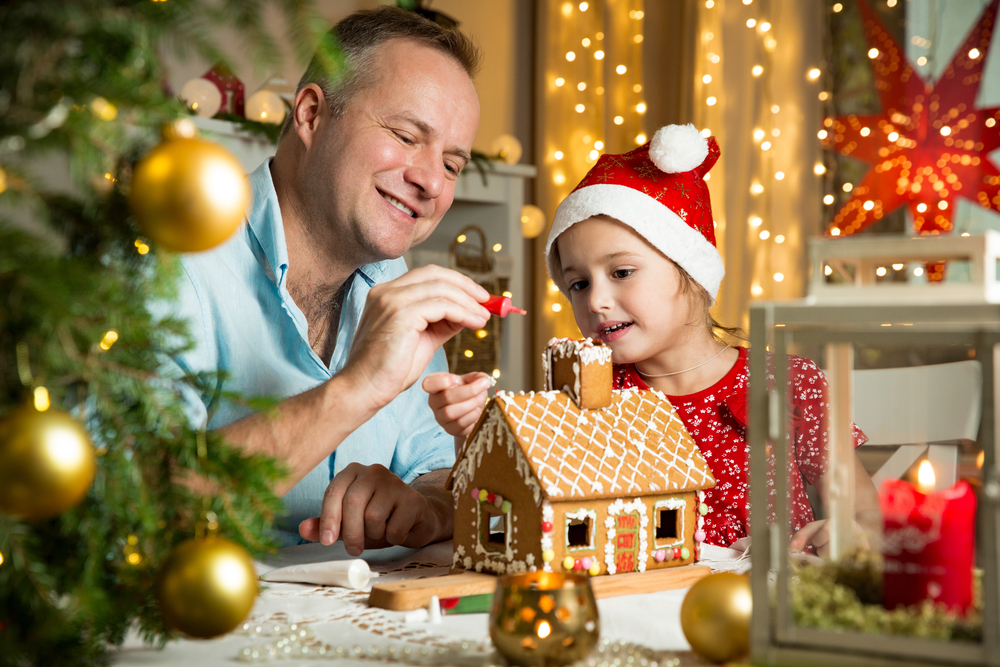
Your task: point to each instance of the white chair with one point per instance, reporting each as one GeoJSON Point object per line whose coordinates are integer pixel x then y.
{"type": "Point", "coordinates": [921, 408]}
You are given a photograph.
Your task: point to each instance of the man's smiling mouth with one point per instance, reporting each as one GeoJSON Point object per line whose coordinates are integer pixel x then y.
{"type": "Point", "coordinates": [398, 204]}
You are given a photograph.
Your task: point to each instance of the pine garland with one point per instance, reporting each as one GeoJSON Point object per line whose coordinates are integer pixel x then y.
{"type": "Point", "coordinates": [848, 596]}
{"type": "Point", "coordinates": [81, 91]}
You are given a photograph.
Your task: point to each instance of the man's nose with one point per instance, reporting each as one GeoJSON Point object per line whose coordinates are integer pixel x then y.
{"type": "Point", "coordinates": [427, 173]}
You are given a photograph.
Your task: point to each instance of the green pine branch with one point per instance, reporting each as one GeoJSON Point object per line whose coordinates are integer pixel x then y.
{"type": "Point", "coordinates": [82, 92]}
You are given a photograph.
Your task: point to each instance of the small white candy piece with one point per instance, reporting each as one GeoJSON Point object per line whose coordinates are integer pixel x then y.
{"type": "Point", "coordinates": [416, 616]}
{"type": "Point", "coordinates": [678, 148]}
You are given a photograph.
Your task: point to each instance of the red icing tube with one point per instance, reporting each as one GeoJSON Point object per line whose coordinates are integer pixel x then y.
{"type": "Point", "coordinates": [502, 307]}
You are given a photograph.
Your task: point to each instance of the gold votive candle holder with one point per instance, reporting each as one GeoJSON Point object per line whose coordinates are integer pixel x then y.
{"type": "Point", "coordinates": [544, 619]}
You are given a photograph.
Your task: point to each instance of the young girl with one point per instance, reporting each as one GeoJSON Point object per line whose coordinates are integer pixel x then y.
{"type": "Point", "coordinates": [633, 248]}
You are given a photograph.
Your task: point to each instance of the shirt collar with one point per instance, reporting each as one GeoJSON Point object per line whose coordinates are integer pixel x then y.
{"type": "Point", "coordinates": [264, 219]}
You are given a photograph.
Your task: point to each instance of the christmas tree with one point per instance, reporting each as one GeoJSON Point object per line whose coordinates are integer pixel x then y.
{"type": "Point", "coordinates": [101, 474]}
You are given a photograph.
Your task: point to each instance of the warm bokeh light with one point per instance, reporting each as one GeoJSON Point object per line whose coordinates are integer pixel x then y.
{"type": "Point", "coordinates": [925, 477]}
{"type": "Point", "coordinates": [41, 395]}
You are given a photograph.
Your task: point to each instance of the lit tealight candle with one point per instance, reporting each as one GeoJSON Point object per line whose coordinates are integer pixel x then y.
{"type": "Point", "coordinates": [925, 477]}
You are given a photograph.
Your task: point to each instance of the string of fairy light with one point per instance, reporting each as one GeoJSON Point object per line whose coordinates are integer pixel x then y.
{"type": "Point", "coordinates": [769, 166]}
{"type": "Point", "coordinates": [594, 103]}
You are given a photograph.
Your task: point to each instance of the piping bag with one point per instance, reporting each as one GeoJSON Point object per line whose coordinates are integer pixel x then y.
{"type": "Point", "coordinates": [347, 573]}
{"type": "Point", "coordinates": [501, 306]}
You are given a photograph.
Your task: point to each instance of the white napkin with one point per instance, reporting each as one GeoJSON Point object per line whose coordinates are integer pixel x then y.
{"type": "Point", "coordinates": [347, 573]}
{"type": "Point", "coordinates": [735, 558]}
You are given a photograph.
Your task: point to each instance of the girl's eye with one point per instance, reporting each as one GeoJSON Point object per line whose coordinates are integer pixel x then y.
{"type": "Point", "coordinates": [578, 285]}
{"type": "Point", "coordinates": [622, 273]}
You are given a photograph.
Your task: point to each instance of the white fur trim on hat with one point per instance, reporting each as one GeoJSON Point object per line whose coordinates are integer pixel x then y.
{"type": "Point", "coordinates": [650, 219]}
{"type": "Point", "coordinates": [678, 148]}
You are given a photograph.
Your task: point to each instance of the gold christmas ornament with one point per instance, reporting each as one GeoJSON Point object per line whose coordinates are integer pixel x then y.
{"type": "Point", "coordinates": [189, 194]}
{"type": "Point", "coordinates": [715, 617]}
{"type": "Point", "coordinates": [47, 462]}
{"type": "Point", "coordinates": [206, 587]}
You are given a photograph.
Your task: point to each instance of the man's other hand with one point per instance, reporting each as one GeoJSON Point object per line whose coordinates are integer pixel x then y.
{"type": "Point", "coordinates": [369, 507]}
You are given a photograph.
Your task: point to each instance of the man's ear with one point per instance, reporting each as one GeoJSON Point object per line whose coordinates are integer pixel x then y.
{"type": "Point", "coordinates": [309, 110]}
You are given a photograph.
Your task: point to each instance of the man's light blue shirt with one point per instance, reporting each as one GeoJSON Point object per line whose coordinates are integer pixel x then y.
{"type": "Point", "coordinates": [246, 325]}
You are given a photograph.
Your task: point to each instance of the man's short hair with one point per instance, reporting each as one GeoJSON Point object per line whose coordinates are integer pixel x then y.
{"type": "Point", "coordinates": [358, 37]}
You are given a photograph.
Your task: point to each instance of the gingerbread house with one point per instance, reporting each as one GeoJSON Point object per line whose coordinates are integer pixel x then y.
{"type": "Point", "coordinates": [578, 477]}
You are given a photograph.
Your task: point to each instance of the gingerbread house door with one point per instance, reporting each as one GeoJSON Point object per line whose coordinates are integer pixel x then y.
{"type": "Point", "coordinates": [627, 542]}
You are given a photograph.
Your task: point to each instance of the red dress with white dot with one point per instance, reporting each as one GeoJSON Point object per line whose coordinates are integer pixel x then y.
{"type": "Point", "coordinates": [716, 419]}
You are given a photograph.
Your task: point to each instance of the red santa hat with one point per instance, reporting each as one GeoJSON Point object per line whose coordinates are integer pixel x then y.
{"type": "Point", "coordinates": [659, 191]}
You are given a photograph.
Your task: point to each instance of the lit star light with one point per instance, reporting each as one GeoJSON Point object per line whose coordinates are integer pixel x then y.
{"type": "Point", "coordinates": [930, 144]}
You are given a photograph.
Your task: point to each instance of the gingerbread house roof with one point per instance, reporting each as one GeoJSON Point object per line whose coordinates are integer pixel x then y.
{"type": "Point", "coordinates": [637, 446]}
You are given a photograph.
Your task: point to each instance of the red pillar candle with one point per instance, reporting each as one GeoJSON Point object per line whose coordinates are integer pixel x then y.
{"type": "Point", "coordinates": [929, 545]}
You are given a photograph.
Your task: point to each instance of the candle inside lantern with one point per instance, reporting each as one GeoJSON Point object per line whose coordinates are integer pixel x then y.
{"type": "Point", "coordinates": [929, 542]}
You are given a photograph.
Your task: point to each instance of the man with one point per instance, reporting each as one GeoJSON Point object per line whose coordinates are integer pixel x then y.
{"type": "Point", "coordinates": [309, 299]}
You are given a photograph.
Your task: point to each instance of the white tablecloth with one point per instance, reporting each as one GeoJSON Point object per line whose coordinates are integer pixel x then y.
{"type": "Point", "coordinates": [340, 616]}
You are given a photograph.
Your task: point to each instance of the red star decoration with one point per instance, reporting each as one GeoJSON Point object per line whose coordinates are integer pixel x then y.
{"type": "Point", "coordinates": [930, 144]}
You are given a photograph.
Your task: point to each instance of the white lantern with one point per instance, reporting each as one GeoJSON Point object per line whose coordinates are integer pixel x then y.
{"type": "Point", "coordinates": [202, 96]}
{"type": "Point", "coordinates": [532, 221]}
{"type": "Point", "coordinates": [265, 106]}
{"type": "Point", "coordinates": [507, 147]}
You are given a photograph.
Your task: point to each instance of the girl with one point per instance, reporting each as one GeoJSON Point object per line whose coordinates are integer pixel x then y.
{"type": "Point", "coordinates": [633, 248]}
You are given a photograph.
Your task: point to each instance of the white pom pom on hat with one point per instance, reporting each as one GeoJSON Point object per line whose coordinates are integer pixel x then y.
{"type": "Point", "coordinates": [678, 148]}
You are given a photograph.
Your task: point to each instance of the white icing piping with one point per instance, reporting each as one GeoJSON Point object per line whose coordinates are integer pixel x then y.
{"type": "Point", "coordinates": [546, 542]}
{"type": "Point", "coordinates": [581, 514]}
{"type": "Point", "coordinates": [616, 508]}
{"type": "Point", "coordinates": [670, 504]}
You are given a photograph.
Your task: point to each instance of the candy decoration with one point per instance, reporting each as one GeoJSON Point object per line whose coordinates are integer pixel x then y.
{"type": "Point", "coordinates": [483, 495]}
{"type": "Point", "coordinates": [568, 563]}
{"type": "Point", "coordinates": [490, 497]}
{"type": "Point", "coordinates": [548, 555]}
{"type": "Point", "coordinates": [505, 506]}
{"type": "Point", "coordinates": [578, 564]}
{"type": "Point", "coordinates": [546, 526]}
{"type": "Point", "coordinates": [668, 554]}
{"type": "Point", "coordinates": [685, 554]}
{"type": "Point", "coordinates": [699, 535]}
{"type": "Point", "coordinates": [475, 494]}
{"type": "Point", "coordinates": [498, 501]}
{"type": "Point", "coordinates": [703, 509]}
{"type": "Point", "coordinates": [659, 556]}
{"type": "Point", "coordinates": [595, 569]}
{"type": "Point", "coordinates": [586, 562]}
{"type": "Point", "coordinates": [677, 552]}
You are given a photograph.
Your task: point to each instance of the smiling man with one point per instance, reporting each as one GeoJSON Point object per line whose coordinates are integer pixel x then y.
{"type": "Point", "coordinates": [310, 301]}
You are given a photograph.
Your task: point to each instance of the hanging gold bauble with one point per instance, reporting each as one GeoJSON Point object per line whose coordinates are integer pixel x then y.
{"type": "Point", "coordinates": [715, 617]}
{"type": "Point", "coordinates": [206, 587]}
{"type": "Point", "coordinates": [189, 194]}
{"type": "Point", "coordinates": [47, 462]}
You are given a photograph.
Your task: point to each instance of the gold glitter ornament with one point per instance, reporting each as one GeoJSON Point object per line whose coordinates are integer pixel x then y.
{"type": "Point", "coordinates": [715, 616]}
{"type": "Point", "coordinates": [47, 462]}
{"type": "Point", "coordinates": [206, 587]}
{"type": "Point", "coordinates": [189, 194]}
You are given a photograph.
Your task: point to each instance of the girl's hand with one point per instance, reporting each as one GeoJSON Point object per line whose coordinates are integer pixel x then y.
{"type": "Point", "coordinates": [457, 401]}
{"type": "Point", "coordinates": [817, 534]}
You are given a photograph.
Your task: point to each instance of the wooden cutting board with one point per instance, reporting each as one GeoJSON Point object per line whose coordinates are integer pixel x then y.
{"type": "Point", "coordinates": [416, 593]}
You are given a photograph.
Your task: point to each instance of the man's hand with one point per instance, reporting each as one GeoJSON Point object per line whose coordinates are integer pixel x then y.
{"type": "Point", "coordinates": [368, 507]}
{"type": "Point", "coordinates": [457, 400]}
{"type": "Point", "coordinates": [404, 322]}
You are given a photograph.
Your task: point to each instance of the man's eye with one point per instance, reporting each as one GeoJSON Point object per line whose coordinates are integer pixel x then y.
{"type": "Point", "coordinates": [404, 139]}
{"type": "Point", "coordinates": [452, 169]}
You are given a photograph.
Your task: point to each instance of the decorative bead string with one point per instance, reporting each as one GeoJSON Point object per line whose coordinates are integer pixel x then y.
{"type": "Point", "coordinates": [299, 642]}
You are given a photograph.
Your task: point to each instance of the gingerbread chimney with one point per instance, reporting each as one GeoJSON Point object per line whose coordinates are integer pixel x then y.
{"type": "Point", "coordinates": [581, 368]}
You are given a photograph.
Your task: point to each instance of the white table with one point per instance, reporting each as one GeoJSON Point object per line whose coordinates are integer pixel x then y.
{"type": "Point", "coordinates": [340, 616]}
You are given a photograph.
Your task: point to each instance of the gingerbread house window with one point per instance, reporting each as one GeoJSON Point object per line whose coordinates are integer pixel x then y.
{"type": "Point", "coordinates": [666, 524]}
{"type": "Point", "coordinates": [493, 528]}
{"type": "Point", "coordinates": [580, 530]}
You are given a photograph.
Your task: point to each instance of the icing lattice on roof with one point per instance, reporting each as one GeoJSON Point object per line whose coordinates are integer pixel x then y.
{"type": "Point", "coordinates": [636, 446]}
